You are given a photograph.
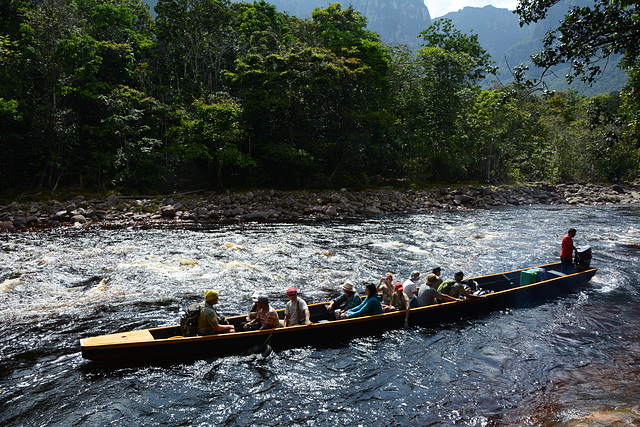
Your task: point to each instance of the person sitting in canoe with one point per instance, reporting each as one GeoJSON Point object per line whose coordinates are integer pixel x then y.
{"type": "Point", "coordinates": [369, 306]}
{"type": "Point", "coordinates": [400, 301]}
{"type": "Point", "coordinates": [456, 288]}
{"type": "Point", "coordinates": [296, 312]}
{"type": "Point", "coordinates": [428, 293]}
{"type": "Point", "coordinates": [410, 287]}
{"type": "Point", "coordinates": [266, 316]}
{"type": "Point", "coordinates": [433, 278]}
{"type": "Point", "coordinates": [347, 300]}
{"type": "Point", "coordinates": [386, 287]}
{"type": "Point", "coordinates": [208, 320]}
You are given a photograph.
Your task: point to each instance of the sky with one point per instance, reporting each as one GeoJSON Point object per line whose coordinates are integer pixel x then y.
{"type": "Point", "coordinates": [438, 8]}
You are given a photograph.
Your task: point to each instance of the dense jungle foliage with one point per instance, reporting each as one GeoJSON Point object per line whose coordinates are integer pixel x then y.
{"type": "Point", "coordinates": [211, 93]}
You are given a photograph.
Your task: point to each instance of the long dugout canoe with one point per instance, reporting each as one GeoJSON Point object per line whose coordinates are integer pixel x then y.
{"type": "Point", "coordinates": [502, 290]}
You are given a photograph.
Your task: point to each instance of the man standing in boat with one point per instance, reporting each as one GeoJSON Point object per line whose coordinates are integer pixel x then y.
{"type": "Point", "coordinates": [208, 320]}
{"type": "Point", "coordinates": [567, 251]}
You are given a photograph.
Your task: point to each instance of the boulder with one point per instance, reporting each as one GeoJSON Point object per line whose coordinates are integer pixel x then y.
{"type": "Point", "coordinates": [331, 211]}
{"type": "Point", "coordinates": [618, 189]}
{"type": "Point", "coordinates": [167, 211]}
{"type": "Point", "coordinates": [60, 216]}
{"type": "Point", "coordinates": [79, 218]}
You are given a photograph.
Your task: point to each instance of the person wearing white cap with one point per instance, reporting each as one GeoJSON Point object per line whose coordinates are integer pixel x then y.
{"type": "Point", "coordinates": [208, 320]}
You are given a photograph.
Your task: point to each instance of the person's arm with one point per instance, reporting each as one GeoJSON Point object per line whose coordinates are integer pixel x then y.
{"type": "Point", "coordinates": [336, 301]}
{"type": "Point", "coordinates": [219, 328]}
{"type": "Point", "coordinates": [407, 306]}
{"type": "Point", "coordinates": [307, 317]}
{"type": "Point", "coordinates": [359, 306]}
{"type": "Point", "coordinates": [445, 297]}
{"type": "Point", "coordinates": [472, 296]}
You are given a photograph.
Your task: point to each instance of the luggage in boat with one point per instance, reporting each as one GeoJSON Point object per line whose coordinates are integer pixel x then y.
{"type": "Point", "coordinates": [533, 275]}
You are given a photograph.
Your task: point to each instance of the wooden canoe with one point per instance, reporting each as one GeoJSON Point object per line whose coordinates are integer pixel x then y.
{"type": "Point", "coordinates": [504, 290]}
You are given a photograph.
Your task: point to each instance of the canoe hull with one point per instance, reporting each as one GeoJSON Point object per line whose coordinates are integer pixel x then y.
{"type": "Point", "coordinates": [165, 343]}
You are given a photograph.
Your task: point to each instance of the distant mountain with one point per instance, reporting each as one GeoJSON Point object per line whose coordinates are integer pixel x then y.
{"type": "Point", "coordinates": [499, 32]}
{"type": "Point", "coordinates": [395, 21]}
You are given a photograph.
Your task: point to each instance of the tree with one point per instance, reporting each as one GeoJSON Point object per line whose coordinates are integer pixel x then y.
{"type": "Point", "coordinates": [211, 132]}
{"type": "Point", "coordinates": [586, 38]}
{"type": "Point", "coordinates": [443, 82]}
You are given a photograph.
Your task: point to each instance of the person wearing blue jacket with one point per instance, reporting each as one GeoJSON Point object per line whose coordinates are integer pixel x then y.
{"type": "Point", "coordinates": [370, 305]}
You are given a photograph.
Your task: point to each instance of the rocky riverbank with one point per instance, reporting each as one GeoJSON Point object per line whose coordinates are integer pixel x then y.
{"type": "Point", "coordinates": [275, 205]}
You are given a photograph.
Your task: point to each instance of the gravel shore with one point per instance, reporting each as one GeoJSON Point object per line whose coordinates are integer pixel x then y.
{"type": "Point", "coordinates": [273, 205]}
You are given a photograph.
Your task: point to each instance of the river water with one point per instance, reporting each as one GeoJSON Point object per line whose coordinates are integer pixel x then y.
{"type": "Point", "coordinates": [562, 361]}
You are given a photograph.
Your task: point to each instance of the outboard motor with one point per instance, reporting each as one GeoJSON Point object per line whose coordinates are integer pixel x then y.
{"type": "Point", "coordinates": [582, 260]}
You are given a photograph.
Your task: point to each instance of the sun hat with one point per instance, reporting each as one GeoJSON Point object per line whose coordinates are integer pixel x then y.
{"type": "Point", "coordinates": [210, 294]}
{"type": "Point", "coordinates": [432, 278]}
{"type": "Point", "coordinates": [399, 287]}
{"type": "Point", "coordinates": [292, 291]}
{"type": "Point", "coordinates": [348, 286]}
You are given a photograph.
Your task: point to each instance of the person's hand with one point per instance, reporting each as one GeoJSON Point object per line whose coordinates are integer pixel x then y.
{"type": "Point", "coordinates": [330, 306]}
{"type": "Point", "coordinates": [308, 322]}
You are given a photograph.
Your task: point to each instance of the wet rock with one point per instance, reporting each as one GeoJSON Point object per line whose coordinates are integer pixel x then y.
{"type": "Point", "coordinates": [331, 211]}
{"type": "Point", "coordinates": [79, 218]}
{"type": "Point", "coordinates": [167, 211]}
{"type": "Point", "coordinates": [60, 216]}
{"type": "Point", "coordinates": [618, 189]}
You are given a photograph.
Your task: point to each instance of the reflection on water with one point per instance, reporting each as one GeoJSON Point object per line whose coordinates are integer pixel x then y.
{"type": "Point", "coordinates": [570, 359]}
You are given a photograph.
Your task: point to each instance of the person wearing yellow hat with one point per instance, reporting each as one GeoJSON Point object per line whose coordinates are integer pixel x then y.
{"type": "Point", "coordinates": [209, 322]}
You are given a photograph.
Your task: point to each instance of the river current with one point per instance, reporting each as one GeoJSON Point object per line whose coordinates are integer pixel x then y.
{"type": "Point", "coordinates": [568, 360]}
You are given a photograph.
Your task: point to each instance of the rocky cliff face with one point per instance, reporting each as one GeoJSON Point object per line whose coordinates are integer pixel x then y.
{"type": "Point", "coordinates": [396, 21]}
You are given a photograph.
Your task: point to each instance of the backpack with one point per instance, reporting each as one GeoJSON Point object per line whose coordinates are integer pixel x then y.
{"type": "Point", "coordinates": [189, 320]}
{"type": "Point", "coordinates": [446, 286]}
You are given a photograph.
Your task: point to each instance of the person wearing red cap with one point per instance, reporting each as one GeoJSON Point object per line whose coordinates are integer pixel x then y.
{"type": "Point", "coordinates": [400, 301]}
{"type": "Point", "coordinates": [296, 312]}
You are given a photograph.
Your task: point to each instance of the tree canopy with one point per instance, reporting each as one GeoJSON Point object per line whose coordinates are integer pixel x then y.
{"type": "Point", "coordinates": [100, 94]}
